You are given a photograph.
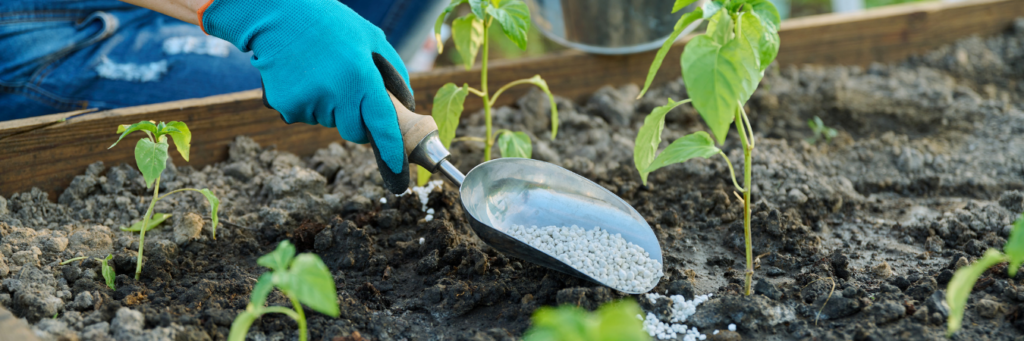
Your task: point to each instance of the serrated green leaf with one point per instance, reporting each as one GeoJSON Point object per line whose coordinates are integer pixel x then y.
{"type": "Point", "coordinates": [515, 144]}
{"type": "Point", "coordinates": [214, 206]}
{"type": "Point", "coordinates": [447, 109]}
{"type": "Point", "coordinates": [108, 271]}
{"type": "Point", "coordinates": [440, 21]}
{"type": "Point", "coordinates": [260, 291]}
{"type": "Point", "coordinates": [154, 221]}
{"type": "Point", "coordinates": [959, 288]}
{"type": "Point", "coordinates": [181, 136]}
{"type": "Point", "coordinates": [240, 326]}
{"type": "Point", "coordinates": [649, 137]}
{"type": "Point", "coordinates": [514, 17]}
{"type": "Point", "coordinates": [478, 7]}
{"type": "Point", "coordinates": [719, 78]}
{"type": "Point", "coordinates": [617, 321]}
{"type": "Point", "coordinates": [680, 4]}
{"type": "Point", "coordinates": [1014, 247]}
{"type": "Point", "coordinates": [124, 131]}
{"type": "Point", "coordinates": [313, 285]}
{"type": "Point", "coordinates": [565, 323]}
{"type": "Point", "coordinates": [422, 176]}
{"type": "Point", "coordinates": [682, 24]}
{"type": "Point", "coordinates": [280, 258]}
{"type": "Point", "coordinates": [151, 158]}
{"type": "Point", "coordinates": [720, 27]}
{"type": "Point", "coordinates": [698, 144]}
{"type": "Point", "coordinates": [468, 32]}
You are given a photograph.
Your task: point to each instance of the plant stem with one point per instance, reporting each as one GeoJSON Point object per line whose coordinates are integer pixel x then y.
{"type": "Point", "coordinates": [747, 148]}
{"type": "Point", "coordinates": [301, 317]}
{"type": "Point", "coordinates": [509, 85]}
{"type": "Point", "coordinates": [145, 222]}
{"type": "Point", "coordinates": [178, 190]}
{"type": "Point", "coordinates": [489, 142]}
{"type": "Point", "coordinates": [731, 172]}
{"type": "Point", "coordinates": [72, 260]}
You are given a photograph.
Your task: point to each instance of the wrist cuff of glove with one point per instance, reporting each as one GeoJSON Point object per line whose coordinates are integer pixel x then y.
{"type": "Point", "coordinates": [200, 14]}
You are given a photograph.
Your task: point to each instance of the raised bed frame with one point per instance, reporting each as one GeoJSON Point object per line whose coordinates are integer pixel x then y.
{"type": "Point", "coordinates": [48, 151]}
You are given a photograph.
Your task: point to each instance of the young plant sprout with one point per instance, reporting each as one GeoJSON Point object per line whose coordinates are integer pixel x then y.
{"type": "Point", "coordinates": [151, 158]}
{"type": "Point", "coordinates": [721, 69]}
{"type": "Point", "coordinates": [959, 288]}
{"type": "Point", "coordinates": [107, 269]}
{"type": "Point", "coordinates": [615, 320]}
{"type": "Point", "coordinates": [820, 131]}
{"type": "Point", "coordinates": [304, 279]}
{"type": "Point", "coordinates": [470, 34]}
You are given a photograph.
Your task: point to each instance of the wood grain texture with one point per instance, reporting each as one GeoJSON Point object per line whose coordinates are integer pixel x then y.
{"type": "Point", "coordinates": [46, 152]}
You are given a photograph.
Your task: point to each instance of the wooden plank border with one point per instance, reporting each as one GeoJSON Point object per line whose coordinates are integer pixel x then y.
{"type": "Point", "coordinates": [48, 151]}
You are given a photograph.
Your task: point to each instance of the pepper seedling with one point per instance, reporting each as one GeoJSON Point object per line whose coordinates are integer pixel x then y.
{"type": "Point", "coordinates": [820, 131]}
{"type": "Point", "coordinates": [613, 321]}
{"type": "Point", "coordinates": [721, 69]}
{"type": "Point", "coordinates": [959, 288]}
{"type": "Point", "coordinates": [471, 33]}
{"type": "Point", "coordinates": [304, 279]}
{"type": "Point", "coordinates": [107, 269]}
{"type": "Point", "coordinates": [151, 158]}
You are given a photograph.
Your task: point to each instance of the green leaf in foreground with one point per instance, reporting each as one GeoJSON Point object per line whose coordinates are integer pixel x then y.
{"type": "Point", "coordinates": [710, 8]}
{"type": "Point", "coordinates": [313, 284]}
{"type": "Point", "coordinates": [720, 27]}
{"type": "Point", "coordinates": [698, 144]}
{"type": "Point", "coordinates": [182, 138]}
{"type": "Point", "coordinates": [680, 4]}
{"type": "Point", "coordinates": [153, 223]}
{"type": "Point", "coordinates": [440, 21]}
{"type": "Point", "coordinates": [960, 287]}
{"type": "Point", "coordinates": [515, 144]}
{"type": "Point", "coordinates": [478, 7]}
{"type": "Point", "coordinates": [682, 24]}
{"type": "Point", "coordinates": [262, 289]}
{"type": "Point", "coordinates": [649, 137]}
{"type": "Point", "coordinates": [468, 33]}
{"type": "Point", "coordinates": [108, 271]}
{"type": "Point", "coordinates": [124, 131]}
{"type": "Point", "coordinates": [422, 176]}
{"type": "Point", "coordinates": [763, 41]}
{"type": "Point", "coordinates": [447, 109]}
{"type": "Point", "coordinates": [565, 323]}
{"type": "Point", "coordinates": [214, 206]}
{"type": "Point", "coordinates": [1014, 247]}
{"type": "Point", "coordinates": [617, 321]}
{"type": "Point", "coordinates": [514, 17]}
{"type": "Point", "coordinates": [151, 159]}
{"type": "Point", "coordinates": [240, 327]}
{"type": "Point", "coordinates": [280, 258]}
{"type": "Point", "coordinates": [727, 77]}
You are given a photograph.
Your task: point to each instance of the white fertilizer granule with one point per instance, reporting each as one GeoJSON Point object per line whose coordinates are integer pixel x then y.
{"type": "Point", "coordinates": [681, 310]}
{"type": "Point", "coordinates": [608, 258]}
{"type": "Point", "coordinates": [423, 193]}
{"type": "Point", "coordinates": [732, 327]}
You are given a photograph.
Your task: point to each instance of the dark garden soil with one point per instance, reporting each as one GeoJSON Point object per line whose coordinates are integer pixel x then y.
{"type": "Point", "coordinates": [927, 172]}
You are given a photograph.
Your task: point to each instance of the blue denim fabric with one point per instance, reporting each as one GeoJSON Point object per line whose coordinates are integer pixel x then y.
{"type": "Point", "coordinates": [53, 54]}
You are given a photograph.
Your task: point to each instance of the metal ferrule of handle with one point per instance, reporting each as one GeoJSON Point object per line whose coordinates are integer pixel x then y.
{"type": "Point", "coordinates": [432, 155]}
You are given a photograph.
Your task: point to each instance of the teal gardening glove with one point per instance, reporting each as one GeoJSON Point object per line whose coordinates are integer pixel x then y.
{"type": "Point", "coordinates": [324, 64]}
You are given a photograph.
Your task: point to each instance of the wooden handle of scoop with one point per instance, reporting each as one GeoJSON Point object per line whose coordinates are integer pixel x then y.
{"type": "Point", "coordinates": [414, 126]}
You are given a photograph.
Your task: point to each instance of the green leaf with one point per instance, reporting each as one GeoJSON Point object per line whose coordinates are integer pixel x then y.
{"type": "Point", "coordinates": [960, 286]}
{"type": "Point", "coordinates": [181, 136]}
{"type": "Point", "coordinates": [151, 159]}
{"type": "Point", "coordinates": [240, 327]}
{"type": "Point", "coordinates": [514, 17]}
{"type": "Point", "coordinates": [764, 42]}
{"type": "Point", "coordinates": [422, 176]}
{"type": "Point", "coordinates": [279, 258]}
{"type": "Point", "coordinates": [617, 321]}
{"type": "Point", "coordinates": [682, 24]}
{"type": "Point", "coordinates": [1014, 247]}
{"type": "Point", "coordinates": [565, 323]}
{"type": "Point", "coordinates": [543, 85]}
{"type": "Point", "coordinates": [698, 144]}
{"type": "Point", "coordinates": [214, 206]}
{"type": "Point", "coordinates": [765, 10]}
{"type": "Point", "coordinates": [124, 131]}
{"type": "Point", "coordinates": [478, 7]}
{"type": "Point", "coordinates": [649, 137]}
{"type": "Point", "coordinates": [710, 8]}
{"type": "Point", "coordinates": [440, 21]}
{"type": "Point", "coordinates": [468, 32]}
{"type": "Point", "coordinates": [720, 27]}
{"type": "Point", "coordinates": [680, 4]}
{"type": "Point", "coordinates": [515, 144]}
{"type": "Point", "coordinates": [447, 109]}
{"type": "Point", "coordinates": [313, 285]}
{"type": "Point", "coordinates": [262, 289]}
{"type": "Point", "coordinates": [719, 78]}
{"type": "Point", "coordinates": [108, 271]}
{"type": "Point", "coordinates": [154, 221]}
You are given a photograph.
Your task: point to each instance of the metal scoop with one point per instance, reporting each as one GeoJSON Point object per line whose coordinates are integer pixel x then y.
{"type": "Point", "coordinates": [512, 191]}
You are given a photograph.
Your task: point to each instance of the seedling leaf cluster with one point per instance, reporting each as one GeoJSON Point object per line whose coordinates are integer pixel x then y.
{"type": "Point", "coordinates": [959, 288]}
{"type": "Point", "coordinates": [151, 158]}
{"type": "Point", "coordinates": [470, 34]}
{"type": "Point", "coordinates": [721, 69]}
{"type": "Point", "coordinates": [613, 321]}
{"type": "Point", "coordinates": [107, 270]}
{"type": "Point", "coordinates": [303, 278]}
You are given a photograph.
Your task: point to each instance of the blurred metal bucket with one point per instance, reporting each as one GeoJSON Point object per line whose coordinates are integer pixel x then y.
{"type": "Point", "coordinates": [607, 26]}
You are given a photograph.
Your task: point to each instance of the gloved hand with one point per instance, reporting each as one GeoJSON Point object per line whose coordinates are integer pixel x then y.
{"type": "Point", "coordinates": [322, 63]}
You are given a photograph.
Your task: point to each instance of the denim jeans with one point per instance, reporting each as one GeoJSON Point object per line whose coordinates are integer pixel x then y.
{"type": "Point", "coordinates": [63, 55]}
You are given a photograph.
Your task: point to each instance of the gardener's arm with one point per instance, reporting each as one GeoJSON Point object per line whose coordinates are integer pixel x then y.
{"type": "Point", "coordinates": [321, 63]}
